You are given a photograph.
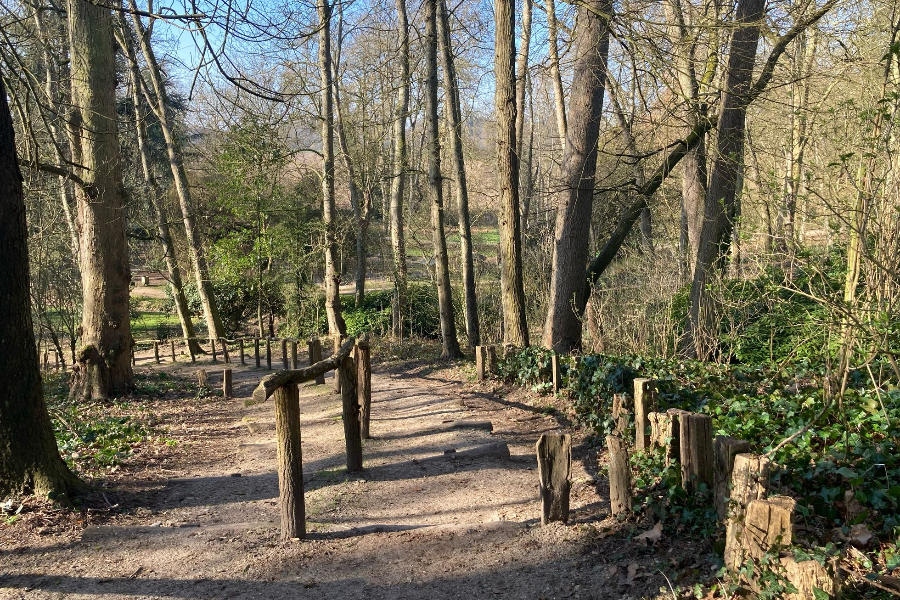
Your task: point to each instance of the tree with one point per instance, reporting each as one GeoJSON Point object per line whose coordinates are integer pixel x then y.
{"type": "Point", "coordinates": [398, 177]}
{"type": "Point", "coordinates": [512, 290]}
{"type": "Point", "coordinates": [562, 328]}
{"type": "Point", "coordinates": [104, 363]}
{"type": "Point", "coordinates": [29, 457]}
{"type": "Point", "coordinates": [450, 345]}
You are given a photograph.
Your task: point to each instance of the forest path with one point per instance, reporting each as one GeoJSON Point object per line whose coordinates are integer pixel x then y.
{"type": "Point", "coordinates": [418, 522]}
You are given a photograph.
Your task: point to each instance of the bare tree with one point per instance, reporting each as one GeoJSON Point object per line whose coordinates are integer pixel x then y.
{"type": "Point", "coordinates": [398, 179]}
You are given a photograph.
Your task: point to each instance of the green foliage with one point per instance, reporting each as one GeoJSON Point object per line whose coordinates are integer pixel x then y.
{"type": "Point", "coordinates": [237, 301]}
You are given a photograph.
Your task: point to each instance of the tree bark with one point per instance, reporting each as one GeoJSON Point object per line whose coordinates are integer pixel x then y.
{"type": "Point", "coordinates": [29, 458]}
{"type": "Point", "coordinates": [159, 105]}
{"type": "Point", "coordinates": [512, 290]}
{"type": "Point", "coordinates": [105, 273]}
{"type": "Point", "coordinates": [559, 96]}
{"type": "Point", "coordinates": [453, 117]}
{"type": "Point", "coordinates": [333, 310]}
{"type": "Point", "coordinates": [450, 345]}
{"type": "Point", "coordinates": [398, 161]}
{"type": "Point", "coordinates": [562, 329]}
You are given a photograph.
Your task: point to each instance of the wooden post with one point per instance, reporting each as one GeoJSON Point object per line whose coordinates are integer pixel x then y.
{"type": "Point", "coordinates": [133, 357]}
{"type": "Point", "coordinates": [241, 350]}
{"type": "Point", "coordinates": [620, 412]}
{"type": "Point", "coordinates": [726, 448]}
{"type": "Point", "coordinates": [644, 403]}
{"type": "Point", "coordinates": [490, 360]}
{"type": "Point", "coordinates": [226, 383]}
{"type": "Point", "coordinates": [268, 353]}
{"type": "Point", "coordinates": [46, 362]}
{"type": "Point", "coordinates": [172, 343]}
{"type": "Point", "coordinates": [350, 402]}
{"type": "Point", "coordinates": [697, 462]}
{"type": "Point", "coordinates": [156, 351]}
{"type": "Point", "coordinates": [554, 458]}
{"type": "Point", "coordinates": [56, 358]}
{"type": "Point", "coordinates": [202, 379]}
{"type": "Point", "coordinates": [290, 463]}
{"type": "Point", "coordinates": [284, 354]}
{"type": "Point", "coordinates": [767, 526]}
{"type": "Point", "coordinates": [190, 349]}
{"type": "Point", "coordinates": [315, 355]}
{"type": "Point", "coordinates": [227, 356]}
{"type": "Point", "coordinates": [338, 340]}
{"type": "Point", "coordinates": [749, 482]}
{"type": "Point", "coordinates": [256, 350]}
{"type": "Point", "coordinates": [480, 356]}
{"type": "Point", "coordinates": [556, 373]}
{"type": "Point", "coordinates": [364, 374]}
{"type": "Point", "coordinates": [619, 476]}
{"type": "Point", "coordinates": [294, 364]}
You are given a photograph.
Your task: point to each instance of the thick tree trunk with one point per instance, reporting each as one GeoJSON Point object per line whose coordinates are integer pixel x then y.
{"type": "Point", "coordinates": [453, 117]}
{"type": "Point", "coordinates": [512, 291]}
{"type": "Point", "coordinates": [450, 345]}
{"type": "Point", "coordinates": [398, 161]}
{"type": "Point", "coordinates": [159, 105]}
{"type": "Point", "coordinates": [715, 236]}
{"type": "Point", "coordinates": [555, 76]}
{"type": "Point", "coordinates": [105, 274]}
{"type": "Point", "coordinates": [29, 458]}
{"type": "Point", "coordinates": [333, 310]}
{"type": "Point", "coordinates": [562, 329]}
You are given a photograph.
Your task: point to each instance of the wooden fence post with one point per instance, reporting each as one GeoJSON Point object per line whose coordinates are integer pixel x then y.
{"type": "Point", "coordinates": [156, 352]}
{"type": "Point", "coordinates": [338, 340]}
{"type": "Point", "coordinates": [202, 379]}
{"type": "Point", "coordinates": [556, 373]}
{"type": "Point", "coordinates": [315, 355]}
{"type": "Point", "coordinates": [480, 356]}
{"type": "Point", "coordinates": [172, 344]}
{"type": "Point", "coordinates": [225, 354]}
{"type": "Point", "coordinates": [241, 350]}
{"type": "Point", "coordinates": [256, 350]}
{"type": "Point", "coordinates": [619, 476]}
{"type": "Point", "coordinates": [350, 402]}
{"type": "Point", "coordinates": [290, 463]}
{"type": "Point", "coordinates": [554, 458]}
{"type": "Point", "coordinates": [696, 442]}
{"type": "Point", "coordinates": [212, 344]}
{"type": "Point", "coordinates": [284, 354]}
{"type": "Point", "coordinates": [56, 358]}
{"type": "Point", "coordinates": [725, 449]}
{"type": "Point", "coordinates": [294, 364]}
{"type": "Point", "coordinates": [190, 349]}
{"type": "Point", "coordinates": [269, 353]}
{"type": "Point", "coordinates": [133, 357]}
{"type": "Point", "coordinates": [620, 412]}
{"type": "Point", "coordinates": [226, 383]}
{"type": "Point", "coordinates": [749, 481]}
{"type": "Point", "coordinates": [364, 374]}
{"type": "Point", "coordinates": [644, 403]}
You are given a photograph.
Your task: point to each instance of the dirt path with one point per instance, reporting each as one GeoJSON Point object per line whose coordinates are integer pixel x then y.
{"type": "Point", "coordinates": [424, 520]}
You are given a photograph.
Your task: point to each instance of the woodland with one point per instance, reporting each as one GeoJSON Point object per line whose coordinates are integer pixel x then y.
{"type": "Point", "coordinates": [702, 193]}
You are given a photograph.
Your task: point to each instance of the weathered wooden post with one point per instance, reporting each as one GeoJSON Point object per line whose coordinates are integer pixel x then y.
{"type": "Point", "coordinates": [364, 373]}
{"type": "Point", "coordinates": [46, 362]}
{"type": "Point", "coordinates": [619, 476]}
{"type": "Point", "coordinates": [241, 350]}
{"type": "Point", "coordinates": [269, 353]}
{"type": "Point", "coordinates": [350, 402]}
{"type": "Point", "coordinates": [725, 448]}
{"type": "Point", "coordinates": [491, 360]}
{"type": "Point", "coordinates": [315, 355]}
{"type": "Point", "coordinates": [133, 357]}
{"type": "Point", "coordinates": [284, 355]}
{"type": "Point", "coordinates": [554, 458]}
{"type": "Point", "coordinates": [749, 481]}
{"type": "Point", "coordinates": [338, 340]}
{"type": "Point", "coordinates": [156, 351]}
{"type": "Point", "coordinates": [226, 383]}
{"type": "Point", "coordinates": [290, 463]}
{"type": "Point", "coordinates": [294, 364]}
{"type": "Point", "coordinates": [190, 349]}
{"type": "Point", "coordinates": [480, 356]}
{"type": "Point", "coordinates": [56, 358]}
{"type": "Point", "coordinates": [697, 462]}
{"type": "Point", "coordinates": [644, 404]}
{"type": "Point", "coordinates": [664, 434]}
{"type": "Point", "coordinates": [202, 379]}
{"type": "Point", "coordinates": [766, 526]}
{"type": "Point", "coordinates": [620, 413]}
{"type": "Point", "coordinates": [172, 344]}
{"type": "Point", "coordinates": [256, 350]}
{"type": "Point", "coordinates": [227, 356]}
{"type": "Point", "coordinates": [212, 344]}
{"type": "Point", "coordinates": [556, 373]}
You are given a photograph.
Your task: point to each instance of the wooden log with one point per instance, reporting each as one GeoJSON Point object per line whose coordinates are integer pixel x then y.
{"type": "Point", "coordinates": [156, 352]}
{"type": "Point", "coordinates": [644, 404]}
{"type": "Point", "coordinates": [225, 353]}
{"type": "Point", "coordinates": [556, 373]}
{"type": "Point", "coordinates": [172, 344]}
{"type": "Point", "coordinates": [493, 450]}
{"type": "Point", "coordinates": [212, 344]}
{"type": "Point", "coordinates": [749, 482]}
{"type": "Point", "coordinates": [226, 383]}
{"type": "Point", "coordinates": [620, 413]}
{"type": "Point", "coordinates": [697, 463]}
{"type": "Point", "coordinates": [294, 364]}
{"type": "Point", "coordinates": [269, 383]}
{"type": "Point", "coordinates": [364, 374]}
{"type": "Point", "coordinates": [190, 349]}
{"type": "Point", "coordinates": [284, 355]}
{"type": "Point", "coordinates": [725, 448]}
{"type": "Point", "coordinates": [554, 458]}
{"type": "Point", "coordinates": [619, 476]}
{"type": "Point", "coordinates": [338, 340]}
{"type": "Point", "coordinates": [241, 350]}
{"type": "Point", "coordinates": [202, 379]}
{"type": "Point", "coordinates": [256, 350]}
{"type": "Point", "coordinates": [350, 403]}
{"type": "Point", "coordinates": [315, 355]}
{"type": "Point", "coordinates": [269, 354]}
{"type": "Point", "coordinates": [290, 463]}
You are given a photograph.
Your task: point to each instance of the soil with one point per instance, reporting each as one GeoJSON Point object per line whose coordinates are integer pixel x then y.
{"type": "Point", "coordinates": [423, 520]}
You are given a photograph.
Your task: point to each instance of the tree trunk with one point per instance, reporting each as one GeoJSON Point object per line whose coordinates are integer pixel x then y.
{"type": "Point", "coordinates": [555, 76]}
{"type": "Point", "coordinates": [398, 245]}
{"type": "Point", "coordinates": [105, 273]}
{"type": "Point", "coordinates": [29, 459]}
{"type": "Point", "coordinates": [512, 291]}
{"type": "Point", "coordinates": [159, 105]}
{"type": "Point", "coordinates": [453, 116]}
{"type": "Point", "coordinates": [715, 236]}
{"type": "Point", "coordinates": [450, 345]}
{"type": "Point", "coordinates": [333, 310]}
{"type": "Point", "coordinates": [562, 329]}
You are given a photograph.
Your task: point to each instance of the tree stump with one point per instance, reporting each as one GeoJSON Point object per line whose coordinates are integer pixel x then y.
{"type": "Point", "coordinates": [269, 354]}
{"type": "Point", "coordinates": [172, 344]}
{"type": "Point", "coordinates": [726, 448]}
{"type": "Point", "coordinates": [697, 463]}
{"type": "Point", "coordinates": [767, 526]}
{"type": "Point", "coordinates": [807, 576]}
{"type": "Point", "coordinates": [256, 350]}
{"type": "Point", "coordinates": [212, 344]}
{"type": "Point", "coordinates": [620, 412]}
{"type": "Point", "coordinates": [294, 364]}
{"type": "Point", "coordinates": [225, 353]}
{"type": "Point", "coordinates": [202, 379]}
{"type": "Point", "coordinates": [554, 457]}
{"type": "Point", "coordinates": [315, 355]}
{"type": "Point", "coordinates": [226, 383]}
{"type": "Point", "coordinates": [619, 476]}
{"type": "Point", "coordinates": [556, 373]}
{"type": "Point", "coordinates": [364, 374]}
{"type": "Point", "coordinates": [190, 349]}
{"type": "Point", "coordinates": [290, 463]}
{"type": "Point", "coordinates": [644, 403]}
{"type": "Point", "coordinates": [350, 403]}
{"type": "Point", "coordinates": [156, 352]}
{"type": "Point", "coordinates": [749, 482]}
{"type": "Point", "coordinates": [338, 340]}
{"type": "Point", "coordinates": [284, 355]}
{"type": "Point", "coordinates": [241, 350]}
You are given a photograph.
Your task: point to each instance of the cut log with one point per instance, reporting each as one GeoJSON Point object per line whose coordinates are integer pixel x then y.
{"type": "Point", "coordinates": [644, 404]}
{"type": "Point", "coordinates": [350, 404]}
{"type": "Point", "coordinates": [556, 373]}
{"type": "Point", "coordinates": [493, 450]}
{"type": "Point", "coordinates": [726, 448]}
{"type": "Point", "coordinates": [202, 379]}
{"type": "Point", "coordinates": [290, 463]}
{"type": "Point", "coordinates": [554, 457]}
{"type": "Point", "coordinates": [697, 463]}
{"type": "Point", "coordinates": [156, 352]}
{"type": "Point", "coordinates": [294, 364]}
{"type": "Point", "coordinates": [226, 383]}
{"type": "Point", "coordinates": [315, 355]}
{"type": "Point", "coordinates": [619, 476]}
{"type": "Point", "coordinates": [241, 350]}
{"type": "Point", "coordinates": [364, 373]}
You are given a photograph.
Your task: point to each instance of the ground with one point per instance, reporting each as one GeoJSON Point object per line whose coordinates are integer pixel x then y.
{"type": "Point", "coordinates": [198, 517]}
